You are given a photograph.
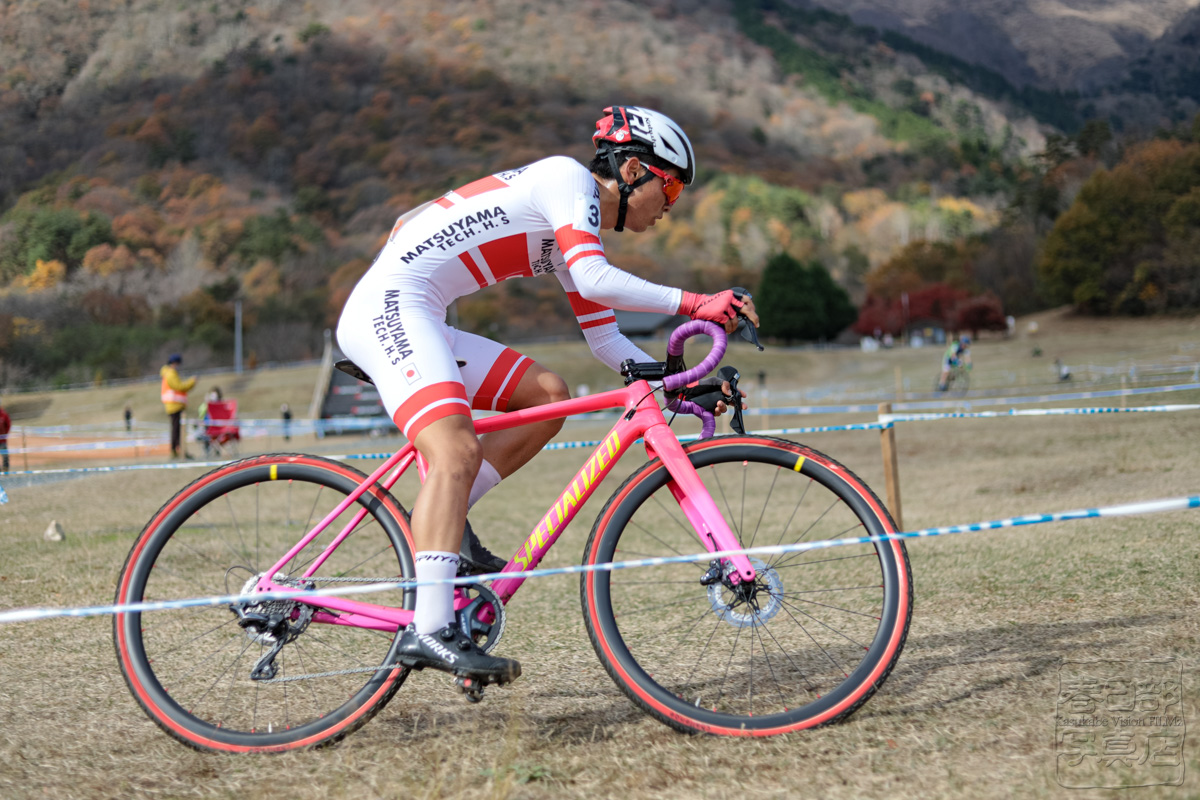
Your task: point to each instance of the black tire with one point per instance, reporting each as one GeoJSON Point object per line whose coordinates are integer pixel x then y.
{"type": "Point", "coordinates": [959, 381]}
{"type": "Point", "coordinates": [819, 642]}
{"type": "Point", "coordinates": [190, 668]}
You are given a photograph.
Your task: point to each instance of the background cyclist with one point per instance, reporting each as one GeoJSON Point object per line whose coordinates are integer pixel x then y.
{"type": "Point", "coordinates": [957, 354]}
{"type": "Point", "coordinates": [545, 217]}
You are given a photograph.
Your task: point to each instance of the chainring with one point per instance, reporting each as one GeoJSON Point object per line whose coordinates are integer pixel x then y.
{"type": "Point", "coordinates": [482, 602]}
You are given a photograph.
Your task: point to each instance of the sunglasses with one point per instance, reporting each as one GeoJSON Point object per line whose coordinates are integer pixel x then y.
{"type": "Point", "coordinates": [672, 186]}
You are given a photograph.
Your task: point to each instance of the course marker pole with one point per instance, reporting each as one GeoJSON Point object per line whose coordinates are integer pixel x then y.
{"type": "Point", "coordinates": [891, 471]}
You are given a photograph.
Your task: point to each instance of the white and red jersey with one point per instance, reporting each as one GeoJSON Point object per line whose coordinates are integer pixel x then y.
{"type": "Point", "coordinates": [539, 219]}
{"type": "Point", "coordinates": [542, 218]}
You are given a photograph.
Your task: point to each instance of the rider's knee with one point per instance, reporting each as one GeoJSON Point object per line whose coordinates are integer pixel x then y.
{"type": "Point", "coordinates": [555, 390]}
{"type": "Point", "coordinates": [457, 457]}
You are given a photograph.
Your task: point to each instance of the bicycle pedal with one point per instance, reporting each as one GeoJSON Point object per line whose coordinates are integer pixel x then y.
{"type": "Point", "coordinates": [471, 688]}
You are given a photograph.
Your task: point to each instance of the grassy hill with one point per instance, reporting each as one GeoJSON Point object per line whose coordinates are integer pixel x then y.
{"type": "Point", "coordinates": [161, 161]}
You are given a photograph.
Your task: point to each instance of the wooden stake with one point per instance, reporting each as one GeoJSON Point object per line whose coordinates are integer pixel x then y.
{"type": "Point", "coordinates": [891, 472]}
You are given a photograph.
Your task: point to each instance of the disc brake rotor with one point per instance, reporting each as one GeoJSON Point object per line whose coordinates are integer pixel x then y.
{"type": "Point", "coordinates": [296, 615]}
{"type": "Point", "coordinates": [744, 607]}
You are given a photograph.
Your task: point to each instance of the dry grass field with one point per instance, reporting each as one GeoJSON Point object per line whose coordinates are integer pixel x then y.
{"type": "Point", "coordinates": [970, 710]}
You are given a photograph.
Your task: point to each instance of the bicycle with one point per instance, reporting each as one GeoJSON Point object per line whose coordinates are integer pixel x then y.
{"type": "Point", "coordinates": [738, 646]}
{"type": "Point", "coordinates": [958, 380]}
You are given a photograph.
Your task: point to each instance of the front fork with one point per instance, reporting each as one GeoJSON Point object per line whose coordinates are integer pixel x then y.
{"type": "Point", "coordinates": [696, 502]}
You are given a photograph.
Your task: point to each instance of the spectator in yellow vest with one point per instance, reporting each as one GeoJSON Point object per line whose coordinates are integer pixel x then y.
{"type": "Point", "coordinates": [174, 398]}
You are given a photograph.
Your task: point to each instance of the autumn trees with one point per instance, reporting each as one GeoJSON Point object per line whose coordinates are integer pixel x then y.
{"type": "Point", "coordinates": [1130, 243]}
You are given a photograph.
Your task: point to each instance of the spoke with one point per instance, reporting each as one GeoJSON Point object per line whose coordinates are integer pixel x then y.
{"type": "Point", "coordinates": [203, 661]}
{"type": "Point", "coordinates": [792, 516]}
{"type": "Point", "coordinates": [304, 669]}
{"type": "Point", "coordinates": [233, 518]}
{"type": "Point", "coordinates": [687, 529]}
{"type": "Point", "coordinates": [766, 502]}
{"type": "Point", "coordinates": [343, 573]}
{"type": "Point", "coordinates": [204, 587]}
{"type": "Point", "coordinates": [196, 637]}
{"type": "Point", "coordinates": [655, 607]}
{"type": "Point", "coordinates": [187, 546]}
{"type": "Point", "coordinates": [820, 622]}
{"type": "Point", "coordinates": [771, 669]}
{"type": "Point", "coordinates": [812, 638]}
{"type": "Point", "coordinates": [291, 565]}
{"type": "Point", "coordinates": [742, 512]}
{"type": "Point", "coordinates": [224, 672]}
{"type": "Point", "coordinates": [703, 650]}
{"type": "Point", "coordinates": [717, 479]}
{"type": "Point", "coordinates": [624, 553]}
{"type": "Point", "coordinates": [788, 656]}
{"type": "Point", "coordinates": [835, 589]}
{"type": "Point", "coordinates": [725, 676]}
{"type": "Point", "coordinates": [803, 536]}
{"type": "Point", "coordinates": [356, 659]}
{"type": "Point", "coordinates": [835, 608]}
{"type": "Point", "coordinates": [824, 560]}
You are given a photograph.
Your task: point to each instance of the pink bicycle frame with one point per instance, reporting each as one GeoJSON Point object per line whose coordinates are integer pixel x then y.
{"type": "Point", "coordinates": [643, 419]}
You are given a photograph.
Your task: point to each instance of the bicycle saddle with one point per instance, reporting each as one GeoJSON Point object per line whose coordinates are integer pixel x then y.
{"type": "Point", "coordinates": [355, 371]}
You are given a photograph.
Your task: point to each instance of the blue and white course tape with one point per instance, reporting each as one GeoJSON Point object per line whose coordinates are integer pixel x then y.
{"type": "Point", "coordinates": [1129, 509]}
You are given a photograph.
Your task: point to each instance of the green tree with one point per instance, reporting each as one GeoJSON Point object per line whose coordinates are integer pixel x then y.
{"type": "Point", "coordinates": [798, 301]}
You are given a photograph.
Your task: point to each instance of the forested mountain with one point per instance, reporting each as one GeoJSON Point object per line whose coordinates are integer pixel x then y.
{"type": "Point", "coordinates": [1134, 63]}
{"type": "Point", "coordinates": [158, 160]}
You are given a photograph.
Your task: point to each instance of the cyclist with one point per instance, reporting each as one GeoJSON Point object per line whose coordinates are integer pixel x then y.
{"type": "Point", "coordinates": [542, 218]}
{"type": "Point", "coordinates": [957, 354]}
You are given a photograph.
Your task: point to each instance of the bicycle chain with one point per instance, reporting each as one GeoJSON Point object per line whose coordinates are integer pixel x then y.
{"type": "Point", "coordinates": [333, 674]}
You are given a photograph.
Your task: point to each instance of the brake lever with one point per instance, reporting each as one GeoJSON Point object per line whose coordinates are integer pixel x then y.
{"type": "Point", "coordinates": [734, 398]}
{"type": "Point", "coordinates": [745, 329]}
{"type": "Point", "coordinates": [748, 332]}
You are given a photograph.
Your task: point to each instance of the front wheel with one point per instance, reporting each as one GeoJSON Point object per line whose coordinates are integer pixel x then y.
{"type": "Point", "coordinates": [265, 676]}
{"type": "Point", "coordinates": [807, 644]}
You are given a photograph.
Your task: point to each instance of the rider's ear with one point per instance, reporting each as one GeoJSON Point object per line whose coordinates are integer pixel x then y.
{"type": "Point", "coordinates": [631, 170]}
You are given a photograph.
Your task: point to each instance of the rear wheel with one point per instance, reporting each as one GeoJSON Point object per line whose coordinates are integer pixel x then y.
{"type": "Point", "coordinates": [807, 644]}
{"type": "Point", "coordinates": [202, 673]}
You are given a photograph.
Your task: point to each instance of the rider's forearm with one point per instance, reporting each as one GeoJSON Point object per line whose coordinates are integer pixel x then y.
{"type": "Point", "coordinates": [600, 282]}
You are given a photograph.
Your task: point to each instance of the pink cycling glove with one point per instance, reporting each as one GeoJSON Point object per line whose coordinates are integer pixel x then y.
{"type": "Point", "coordinates": [717, 307]}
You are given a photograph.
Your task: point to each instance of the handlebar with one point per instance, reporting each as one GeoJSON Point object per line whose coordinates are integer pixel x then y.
{"type": "Point", "coordinates": [687, 330]}
{"type": "Point", "coordinates": [671, 383]}
{"type": "Point", "coordinates": [674, 380]}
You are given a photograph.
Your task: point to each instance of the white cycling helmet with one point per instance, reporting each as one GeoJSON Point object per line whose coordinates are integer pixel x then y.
{"type": "Point", "coordinates": [642, 131]}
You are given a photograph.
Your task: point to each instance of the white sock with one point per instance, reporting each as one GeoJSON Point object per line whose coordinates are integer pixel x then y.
{"type": "Point", "coordinates": [435, 604]}
{"type": "Point", "coordinates": [485, 481]}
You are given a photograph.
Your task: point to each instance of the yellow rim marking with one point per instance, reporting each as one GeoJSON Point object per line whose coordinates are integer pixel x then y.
{"type": "Point", "coordinates": [274, 472]}
{"type": "Point", "coordinates": [799, 464]}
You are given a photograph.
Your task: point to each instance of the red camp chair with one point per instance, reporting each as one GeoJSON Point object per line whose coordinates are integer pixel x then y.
{"type": "Point", "coordinates": [221, 430]}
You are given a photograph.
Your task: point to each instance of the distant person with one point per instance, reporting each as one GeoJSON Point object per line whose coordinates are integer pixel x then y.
{"type": "Point", "coordinates": [5, 427]}
{"type": "Point", "coordinates": [128, 419]}
{"type": "Point", "coordinates": [958, 354]}
{"type": "Point", "coordinates": [1064, 372]}
{"type": "Point", "coordinates": [174, 399]}
{"type": "Point", "coordinates": [286, 413]}
{"type": "Point", "coordinates": [213, 396]}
